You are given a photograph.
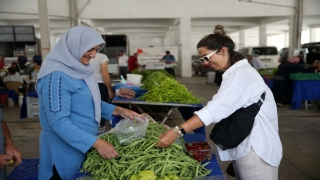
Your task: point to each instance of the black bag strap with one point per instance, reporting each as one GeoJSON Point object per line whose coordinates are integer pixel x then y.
{"type": "Point", "coordinates": [260, 102]}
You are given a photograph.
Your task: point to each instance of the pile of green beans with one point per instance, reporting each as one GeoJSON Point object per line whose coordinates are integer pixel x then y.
{"type": "Point", "coordinates": [168, 90]}
{"type": "Point", "coordinates": [146, 73]}
{"type": "Point", "coordinates": [155, 79]}
{"type": "Point", "coordinates": [143, 155]}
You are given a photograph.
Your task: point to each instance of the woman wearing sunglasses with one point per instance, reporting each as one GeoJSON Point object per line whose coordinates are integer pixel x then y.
{"type": "Point", "coordinates": [259, 154]}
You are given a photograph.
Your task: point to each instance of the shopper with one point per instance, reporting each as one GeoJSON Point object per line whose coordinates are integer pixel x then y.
{"type": "Point", "coordinates": [8, 151]}
{"type": "Point", "coordinates": [22, 60]}
{"type": "Point", "coordinates": [37, 57]}
{"type": "Point", "coordinates": [255, 62]}
{"type": "Point", "coordinates": [133, 62]}
{"type": "Point", "coordinates": [259, 154]}
{"type": "Point", "coordinates": [282, 87]}
{"type": "Point", "coordinates": [70, 105]}
{"type": "Point", "coordinates": [170, 61]}
{"type": "Point", "coordinates": [2, 63]}
{"type": "Point", "coordinates": [123, 64]}
{"type": "Point", "coordinates": [102, 77]}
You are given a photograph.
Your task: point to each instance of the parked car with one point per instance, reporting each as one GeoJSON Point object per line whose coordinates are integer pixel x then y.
{"type": "Point", "coordinates": [312, 51]}
{"type": "Point", "coordinates": [267, 54]}
{"type": "Point", "coordinates": [199, 67]}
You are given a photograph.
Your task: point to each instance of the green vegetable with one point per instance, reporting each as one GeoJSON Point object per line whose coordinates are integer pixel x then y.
{"type": "Point", "coordinates": [169, 90]}
{"type": "Point", "coordinates": [11, 161]}
{"type": "Point", "coordinates": [143, 155]}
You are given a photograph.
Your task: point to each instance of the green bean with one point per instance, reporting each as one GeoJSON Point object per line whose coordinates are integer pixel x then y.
{"type": "Point", "coordinates": [142, 155]}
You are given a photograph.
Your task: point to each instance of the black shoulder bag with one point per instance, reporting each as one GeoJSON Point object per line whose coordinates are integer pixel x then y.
{"type": "Point", "coordinates": [231, 131]}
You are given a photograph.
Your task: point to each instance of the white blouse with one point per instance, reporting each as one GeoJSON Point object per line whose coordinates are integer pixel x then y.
{"type": "Point", "coordinates": [242, 86]}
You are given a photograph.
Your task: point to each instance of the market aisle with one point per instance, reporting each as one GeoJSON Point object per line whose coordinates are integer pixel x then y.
{"type": "Point", "coordinates": [299, 132]}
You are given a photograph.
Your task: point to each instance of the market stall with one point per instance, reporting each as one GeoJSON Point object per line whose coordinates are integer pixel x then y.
{"type": "Point", "coordinates": [306, 88]}
{"type": "Point", "coordinates": [209, 166]}
{"type": "Point", "coordinates": [152, 108]}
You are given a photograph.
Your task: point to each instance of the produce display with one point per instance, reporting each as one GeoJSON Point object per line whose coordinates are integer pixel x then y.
{"type": "Point", "coordinates": [142, 155]}
{"type": "Point", "coordinates": [146, 73]}
{"type": "Point", "coordinates": [165, 89]}
{"type": "Point", "coordinates": [149, 175]}
{"type": "Point", "coordinates": [199, 151]}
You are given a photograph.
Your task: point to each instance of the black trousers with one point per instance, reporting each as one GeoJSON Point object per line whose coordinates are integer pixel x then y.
{"type": "Point", "coordinates": [123, 71]}
{"type": "Point", "coordinates": [104, 97]}
{"type": "Point", "coordinates": [170, 71]}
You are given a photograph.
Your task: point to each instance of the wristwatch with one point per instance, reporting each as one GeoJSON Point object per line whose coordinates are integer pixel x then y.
{"type": "Point", "coordinates": [182, 130]}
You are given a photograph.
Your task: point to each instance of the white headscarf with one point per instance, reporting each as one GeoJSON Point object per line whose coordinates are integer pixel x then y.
{"type": "Point", "coordinates": [66, 55]}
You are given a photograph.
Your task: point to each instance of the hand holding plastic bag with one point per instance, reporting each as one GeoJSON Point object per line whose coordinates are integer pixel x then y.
{"type": "Point", "coordinates": [128, 131]}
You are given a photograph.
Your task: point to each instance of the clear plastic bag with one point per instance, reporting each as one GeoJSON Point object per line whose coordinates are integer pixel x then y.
{"type": "Point", "coordinates": [128, 131]}
{"type": "Point", "coordinates": [126, 93]}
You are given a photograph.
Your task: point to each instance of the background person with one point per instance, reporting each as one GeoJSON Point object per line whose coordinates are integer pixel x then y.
{"type": "Point", "coordinates": [102, 77]}
{"type": "Point", "coordinates": [123, 64]}
{"type": "Point", "coordinates": [2, 62]}
{"type": "Point", "coordinates": [8, 151]}
{"type": "Point", "coordinates": [22, 60]}
{"type": "Point", "coordinates": [70, 106]}
{"type": "Point", "coordinates": [37, 57]}
{"type": "Point", "coordinates": [282, 84]}
{"type": "Point", "coordinates": [258, 155]}
{"type": "Point", "coordinates": [133, 63]}
{"type": "Point", "coordinates": [15, 66]}
{"type": "Point", "coordinates": [255, 62]}
{"type": "Point", "coordinates": [11, 76]}
{"type": "Point", "coordinates": [170, 61]}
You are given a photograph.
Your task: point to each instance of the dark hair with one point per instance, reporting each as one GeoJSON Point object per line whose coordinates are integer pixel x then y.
{"type": "Point", "coordinates": [167, 52]}
{"type": "Point", "coordinates": [17, 66]}
{"type": "Point", "coordinates": [12, 70]}
{"type": "Point", "coordinates": [219, 39]}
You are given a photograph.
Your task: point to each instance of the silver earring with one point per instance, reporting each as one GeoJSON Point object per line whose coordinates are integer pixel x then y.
{"type": "Point", "coordinates": [224, 55]}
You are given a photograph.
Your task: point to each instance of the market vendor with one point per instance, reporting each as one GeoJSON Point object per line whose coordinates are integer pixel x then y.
{"type": "Point", "coordinates": [258, 156]}
{"type": "Point", "coordinates": [70, 106]}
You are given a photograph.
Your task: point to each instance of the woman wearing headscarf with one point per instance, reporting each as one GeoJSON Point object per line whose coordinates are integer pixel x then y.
{"type": "Point", "coordinates": [70, 105]}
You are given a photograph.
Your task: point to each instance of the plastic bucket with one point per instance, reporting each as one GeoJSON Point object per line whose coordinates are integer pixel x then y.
{"type": "Point", "coordinates": [134, 79]}
{"type": "Point", "coordinates": [10, 102]}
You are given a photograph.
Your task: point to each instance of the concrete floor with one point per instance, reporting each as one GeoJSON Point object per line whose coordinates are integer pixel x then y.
{"type": "Point", "coordinates": [299, 132]}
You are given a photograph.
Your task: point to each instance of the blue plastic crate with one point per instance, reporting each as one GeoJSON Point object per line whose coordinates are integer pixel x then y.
{"type": "Point", "coordinates": [27, 170]}
{"type": "Point", "coordinates": [139, 91]}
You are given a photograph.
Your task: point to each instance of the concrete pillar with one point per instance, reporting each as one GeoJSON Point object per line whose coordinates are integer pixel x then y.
{"type": "Point", "coordinates": [241, 38]}
{"type": "Point", "coordinates": [44, 28]}
{"type": "Point", "coordinates": [185, 40]}
{"type": "Point", "coordinates": [262, 35]}
{"type": "Point", "coordinates": [73, 11]}
{"type": "Point", "coordinates": [313, 34]}
{"type": "Point", "coordinates": [166, 40]}
{"type": "Point", "coordinates": [295, 28]}
{"type": "Point", "coordinates": [292, 32]}
{"type": "Point", "coordinates": [171, 37]}
{"type": "Point", "coordinates": [52, 41]}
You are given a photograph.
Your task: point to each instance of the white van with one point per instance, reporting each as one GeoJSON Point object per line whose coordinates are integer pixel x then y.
{"type": "Point", "coordinates": [267, 54]}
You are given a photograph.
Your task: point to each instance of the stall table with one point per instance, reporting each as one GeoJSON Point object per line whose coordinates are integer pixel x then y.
{"type": "Point", "coordinates": [28, 169]}
{"type": "Point", "coordinates": [306, 87]}
{"type": "Point", "coordinates": [305, 90]}
{"type": "Point", "coordinates": [186, 110]}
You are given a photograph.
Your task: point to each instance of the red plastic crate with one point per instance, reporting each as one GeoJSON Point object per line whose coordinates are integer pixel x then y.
{"type": "Point", "coordinates": [27, 170]}
{"type": "Point", "coordinates": [3, 99]}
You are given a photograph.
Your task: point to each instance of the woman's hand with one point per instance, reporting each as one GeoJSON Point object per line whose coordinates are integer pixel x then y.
{"type": "Point", "coordinates": [111, 94]}
{"type": "Point", "coordinates": [105, 149]}
{"type": "Point", "coordinates": [126, 113]}
{"type": "Point", "coordinates": [12, 151]}
{"type": "Point", "coordinates": [166, 139]}
{"type": "Point", "coordinates": [4, 160]}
